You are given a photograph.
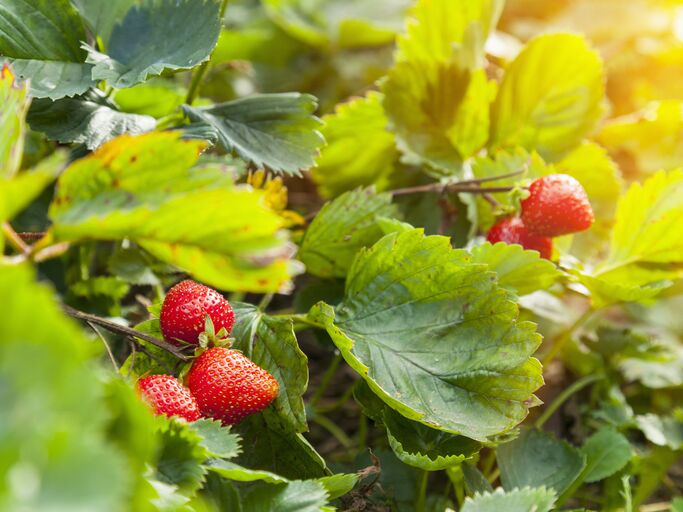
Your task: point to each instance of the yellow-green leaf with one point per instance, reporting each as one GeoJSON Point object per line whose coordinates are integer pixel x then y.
{"type": "Point", "coordinates": [13, 106]}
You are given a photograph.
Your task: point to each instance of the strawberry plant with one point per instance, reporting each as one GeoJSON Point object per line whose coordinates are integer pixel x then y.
{"type": "Point", "coordinates": [445, 274]}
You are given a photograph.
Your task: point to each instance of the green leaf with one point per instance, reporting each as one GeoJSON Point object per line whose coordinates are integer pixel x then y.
{"type": "Point", "coordinates": [90, 119]}
{"type": "Point", "coordinates": [426, 448]}
{"type": "Point", "coordinates": [239, 474]}
{"type": "Point", "coordinates": [66, 459]}
{"type": "Point", "coordinates": [435, 337]}
{"type": "Point", "coordinates": [677, 504]}
{"type": "Point", "coordinates": [662, 369]}
{"type": "Point", "coordinates": [518, 270]}
{"type": "Point", "coordinates": [612, 289]}
{"type": "Point", "coordinates": [277, 131]}
{"type": "Point", "coordinates": [550, 96]}
{"type": "Point", "coordinates": [102, 16]}
{"type": "Point", "coordinates": [341, 228]}
{"type": "Point", "coordinates": [42, 39]}
{"type": "Point", "coordinates": [217, 439]}
{"type": "Point", "coordinates": [18, 192]}
{"type": "Point", "coordinates": [647, 220]}
{"type": "Point", "coordinates": [475, 481]}
{"type": "Point", "coordinates": [438, 110]}
{"type": "Point", "coordinates": [155, 98]}
{"type": "Point", "coordinates": [360, 150]}
{"type": "Point", "coordinates": [155, 36]}
{"type": "Point", "coordinates": [15, 102]}
{"type": "Point", "coordinates": [143, 188]}
{"type": "Point", "coordinates": [606, 452]}
{"type": "Point", "coordinates": [297, 496]}
{"type": "Point", "coordinates": [181, 456]}
{"type": "Point", "coordinates": [537, 459]}
{"type": "Point", "coordinates": [518, 500]}
{"type": "Point", "coordinates": [651, 137]}
{"type": "Point", "coordinates": [338, 485]}
{"type": "Point", "coordinates": [663, 430]}
{"type": "Point", "coordinates": [270, 343]}
{"type": "Point", "coordinates": [283, 453]}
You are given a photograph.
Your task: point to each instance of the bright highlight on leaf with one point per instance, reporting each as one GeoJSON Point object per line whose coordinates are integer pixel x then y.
{"type": "Point", "coordinates": [550, 96]}
{"type": "Point", "coordinates": [14, 101]}
{"type": "Point", "coordinates": [143, 188]}
{"type": "Point", "coordinates": [435, 337]}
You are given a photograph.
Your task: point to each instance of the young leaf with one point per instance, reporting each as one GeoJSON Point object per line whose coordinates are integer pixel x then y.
{"type": "Point", "coordinates": [435, 337]}
{"type": "Point", "coordinates": [360, 150]}
{"type": "Point", "coordinates": [662, 430]}
{"type": "Point", "coordinates": [142, 188]}
{"type": "Point", "coordinates": [296, 496]}
{"type": "Point", "coordinates": [90, 119]}
{"type": "Point", "coordinates": [341, 229]}
{"type": "Point", "coordinates": [14, 100]}
{"type": "Point", "coordinates": [270, 343]}
{"type": "Point", "coordinates": [217, 439]}
{"type": "Point", "coordinates": [537, 459]}
{"type": "Point", "coordinates": [277, 131]}
{"type": "Point", "coordinates": [518, 270]}
{"type": "Point", "coordinates": [528, 499]}
{"type": "Point", "coordinates": [606, 451]}
{"type": "Point", "coordinates": [42, 39]}
{"type": "Point", "coordinates": [550, 96]}
{"type": "Point", "coordinates": [154, 36]}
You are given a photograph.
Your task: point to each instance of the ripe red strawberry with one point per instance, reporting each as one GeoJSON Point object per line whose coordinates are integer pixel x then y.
{"type": "Point", "coordinates": [183, 313]}
{"type": "Point", "coordinates": [168, 396]}
{"type": "Point", "coordinates": [513, 231]}
{"type": "Point", "coordinates": [557, 205]}
{"type": "Point", "coordinates": [229, 387]}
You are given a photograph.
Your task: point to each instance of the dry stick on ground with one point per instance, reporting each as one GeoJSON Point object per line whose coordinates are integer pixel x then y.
{"type": "Point", "coordinates": [127, 331]}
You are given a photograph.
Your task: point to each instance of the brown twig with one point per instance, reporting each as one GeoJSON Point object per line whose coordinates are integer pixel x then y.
{"type": "Point", "coordinates": [14, 239]}
{"type": "Point", "coordinates": [450, 187]}
{"type": "Point", "coordinates": [126, 331]}
{"type": "Point", "coordinates": [32, 235]}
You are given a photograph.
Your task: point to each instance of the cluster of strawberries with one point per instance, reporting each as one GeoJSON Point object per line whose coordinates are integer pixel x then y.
{"type": "Point", "coordinates": [223, 384]}
{"type": "Point", "coordinates": [557, 205]}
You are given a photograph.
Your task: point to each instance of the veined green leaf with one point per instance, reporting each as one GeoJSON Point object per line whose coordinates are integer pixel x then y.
{"type": "Point", "coordinates": [14, 100]}
{"type": "Point", "coordinates": [518, 270]}
{"type": "Point", "coordinates": [435, 337]}
{"type": "Point", "coordinates": [338, 485]}
{"type": "Point", "coordinates": [270, 343]}
{"type": "Point", "coordinates": [42, 38]}
{"type": "Point", "coordinates": [217, 440]}
{"type": "Point", "coordinates": [613, 288]}
{"type": "Point", "coordinates": [537, 459]}
{"type": "Point", "coordinates": [277, 131]}
{"type": "Point", "coordinates": [360, 150]}
{"type": "Point", "coordinates": [550, 96]}
{"type": "Point", "coordinates": [606, 451]}
{"type": "Point", "coordinates": [181, 456]}
{"type": "Point", "coordinates": [142, 188]}
{"type": "Point", "coordinates": [102, 16]}
{"type": "Point", "coordinates": [154, 36]}
{"type": "Point", "coordinates": [437, 26]}
{"type": "Point", "coordinates": [90, 119]}
{"type": "Point", "coordinates": [341, 229]}
{"type": "Point", "coordinates": [295, 496]}
{"type": "Point", "coordinates": [536, 499]}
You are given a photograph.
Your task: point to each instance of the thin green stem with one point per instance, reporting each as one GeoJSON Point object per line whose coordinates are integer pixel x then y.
{"type": "Point", "coordinates": [565, 336]}
{"type": "Point", "coordinates": [198, 75]}
{"type": "Point", "coordinates": [302, 319]}
{"type": "Point", "coordinates": [564, 396]}
{"type": "Point", "coordinates": [333, 429]}
{"type": "Point", "coordinates": [421, 499]}
{"type": "Point", "coordinates": [326, 379]}
{"type": "Point", "coordinates": [265, 301]}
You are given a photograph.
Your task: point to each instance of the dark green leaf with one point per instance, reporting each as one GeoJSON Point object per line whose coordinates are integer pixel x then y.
{"type": "Point", "coordinates": [89, 119]}
{"type": "Point", "coordinates": [54, 79]}
{"type": "Point", "coordinates": [297, 496]}
{"type": "Point", "coordinates": [606, 451]}
{"type": "Point", "coordinates": [435, 337]}
{"type": "Point", "coordinates": [277, 131]}
{"type": "Point", "coordinates": [270, 343]}
{"type": "Point", "coordinates": [475, 481]}
{"type": "Point", "coordinates": [101, 16]}
{"type": "Point", "coordinates": [154, 36]}
{"type": "Point", "coordinates": [537, 459]}
{"type": "Point", "coordinates": [181, 456]}
{"type": "Point", "coordinates": [217, 439]}
{"type": "Point", "coordinates": [518, 500]}
{"type": "Point", "coordinates": [341, 229]}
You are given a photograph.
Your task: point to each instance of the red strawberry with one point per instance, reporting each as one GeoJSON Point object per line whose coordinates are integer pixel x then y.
{"type": "Point", "coordinates": [183, 313]}
{"type": "Point", "coordinates": [513, 231]}
{"type": "Point", "coordinates": [557, 205]}
{"type": "Point", "coordinates": [168, 396]}
{"type": "Point", "coordinates": [229, 387]}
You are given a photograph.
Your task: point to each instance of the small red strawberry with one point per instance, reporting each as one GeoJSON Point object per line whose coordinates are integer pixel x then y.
{"type": "Point", "coordinates": [183, 313]}
{"type": "Point", "coordinates": [169, 397]}
{"type": "Point", "coordinates": [557, 205]}
{"type": "Point", "coordinates": [229, 387]}
{"type": "Point", "coordinates": [513, 231]}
